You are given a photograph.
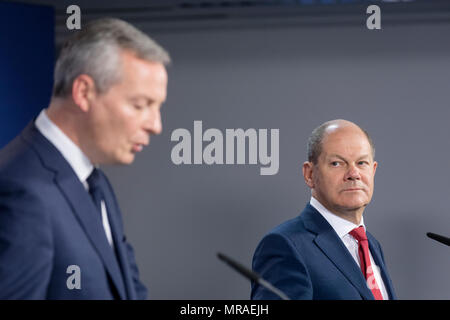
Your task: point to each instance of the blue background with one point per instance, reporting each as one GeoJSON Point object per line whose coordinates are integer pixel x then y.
{"type": "Point", "coordinates": [26, 65]}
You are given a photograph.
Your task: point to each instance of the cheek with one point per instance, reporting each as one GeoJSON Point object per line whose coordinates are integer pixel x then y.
{"type": "Point", "coordinates": [368, 179]}
{"type": "Point", "coordinates": [131, 131]}
{"type": "Point", "coordinates": [331, 180]}
{"type": "Point", "coordinates": [111, 134]}
{"type": "Point", "coordinates": [122, 124]}
{"type": "Point", "coordinates": [327, 184]}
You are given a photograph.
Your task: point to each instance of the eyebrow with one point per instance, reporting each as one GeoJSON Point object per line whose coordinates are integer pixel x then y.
{"type": "Point", "coordinates": [343, 159]}
{"type": "Point", "coordinates": [147, 100]}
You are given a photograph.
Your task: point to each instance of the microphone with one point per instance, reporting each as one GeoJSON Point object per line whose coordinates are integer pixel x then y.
{"type": "Point", "coordinates": [439, 238]}
{"type": "Point", "coordinates": [251, 275]}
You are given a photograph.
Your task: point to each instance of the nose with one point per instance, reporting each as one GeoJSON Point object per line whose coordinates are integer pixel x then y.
{"type": "Point", "coordinates": [352, 173]}
{"type": "Point", "coordinates": [153, 123]}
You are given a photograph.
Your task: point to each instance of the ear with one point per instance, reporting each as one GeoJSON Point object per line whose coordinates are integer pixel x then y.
{"type": "Point", "coordinates": [83, 91]}
{"type": "Point", "coordinates": [308, 169]}
{"type": "Point", "coordinates": [375, 165]}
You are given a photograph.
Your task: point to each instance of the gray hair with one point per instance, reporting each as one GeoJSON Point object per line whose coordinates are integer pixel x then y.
{"type": "Point", "coordinates": [95, 51]}
{"type": "Point", "coordinates": [314, 147]}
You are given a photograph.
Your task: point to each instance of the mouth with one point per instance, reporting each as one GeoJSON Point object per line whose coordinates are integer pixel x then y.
{"type": "Point", "coordinates": [137, 147]}
{"type": "Point", "coordinates": [353, 189]}
{"type": "Point", "coordinates": [139, 144]}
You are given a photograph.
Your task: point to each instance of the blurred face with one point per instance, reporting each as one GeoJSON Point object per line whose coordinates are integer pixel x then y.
{"type": "Point", "coordinates": [123, 119]}
{"type": "Point", "coordinates": [343, 178]}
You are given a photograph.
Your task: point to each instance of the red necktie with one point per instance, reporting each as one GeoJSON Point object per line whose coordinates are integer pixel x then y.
{"type": "Point", "coordinates": [364, 258]}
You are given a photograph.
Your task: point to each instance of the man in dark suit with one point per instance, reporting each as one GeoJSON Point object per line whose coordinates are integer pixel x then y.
{"type": "Point", "coordinates": [326, 253]}
{"type": "Point", "coordinates": [61, 232]}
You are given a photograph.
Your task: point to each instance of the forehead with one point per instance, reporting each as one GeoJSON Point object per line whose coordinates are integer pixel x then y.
{"type": "Point", "coordinates": [143, 78]}
{"type": "Point", "coordinates": [348, 142]}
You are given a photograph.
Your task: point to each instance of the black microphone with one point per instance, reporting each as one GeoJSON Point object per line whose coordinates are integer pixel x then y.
{"type": "Point", "coordinates": [249, 274]}
{"type": "Point", "coordinates": [439, 238]}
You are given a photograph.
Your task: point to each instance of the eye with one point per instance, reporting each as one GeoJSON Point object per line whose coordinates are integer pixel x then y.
{"type": "Point", "coordinates": [138, 107]}
{"type": "Point", "coordinates": [361, 163]}
{"type": "Point", "coordinates": [335, 163]}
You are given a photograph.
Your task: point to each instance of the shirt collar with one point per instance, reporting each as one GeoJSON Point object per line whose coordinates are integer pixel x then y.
{"type": "Point", "coordinates": [70, 151]}
{"type": "Point", "coordinates": [340, 225]}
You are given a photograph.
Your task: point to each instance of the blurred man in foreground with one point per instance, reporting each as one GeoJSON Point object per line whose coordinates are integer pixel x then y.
{"type": "Point", "coordinates": [61, 232]}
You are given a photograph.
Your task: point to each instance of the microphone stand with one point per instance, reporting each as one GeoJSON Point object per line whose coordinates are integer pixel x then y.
{"type": "Point", "coordinates": [439, 238]}
{"type": "Point", "coordinates": [251, 275]}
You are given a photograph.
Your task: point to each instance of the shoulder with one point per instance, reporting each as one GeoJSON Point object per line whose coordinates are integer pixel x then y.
{"type": "Point", "coordinates": [290, 235]}
{"type": "Point", "coordinates": [20, 163]}
{"type": "Point", "coordinates": [280, 259]}
{"type": "Point", "coordinates": [24, 179]}
{"type": "Point", "coordinates": [296, 228]}
{"type": "Point", "coordinates": [289, 229]}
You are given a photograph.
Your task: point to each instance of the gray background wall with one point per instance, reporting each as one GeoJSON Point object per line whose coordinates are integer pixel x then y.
{"type": "Point", "coordinates": [393, 82]}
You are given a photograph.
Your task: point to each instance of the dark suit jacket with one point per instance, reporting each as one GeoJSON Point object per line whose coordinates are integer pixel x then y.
{"type": "Point", "coordinates": [49, 222]}
{"type": "Point", "coordinates": [306, 259]}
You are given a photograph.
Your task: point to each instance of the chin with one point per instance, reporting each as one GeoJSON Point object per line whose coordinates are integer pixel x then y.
{"type": "Point", "coordinates": [128, 160]}
{"type": "Point", "coordinates": [123, 160]}
{"type": "Point", "coordinates": [355, 205]}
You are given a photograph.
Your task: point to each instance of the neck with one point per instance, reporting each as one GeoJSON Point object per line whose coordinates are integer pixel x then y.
{"type": "Point", "coordinates": [349, 215]}
{"type": "Point", "coordinates": [66, 118]}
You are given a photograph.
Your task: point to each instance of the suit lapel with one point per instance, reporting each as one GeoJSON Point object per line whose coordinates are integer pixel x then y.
{"type": "Point", "coordinates": [117, 233]}
{"type": "Point", "coordinates": [376, 255]}
{"type": "Point", "coordinates": [331, 245]}
{"type": "Point", "coordinates": [79, 200]}
{"type": "Point", "coordinates": [88, 217]}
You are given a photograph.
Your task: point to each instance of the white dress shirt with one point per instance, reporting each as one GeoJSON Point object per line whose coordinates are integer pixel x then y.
{"type": "Point", "coordinates": [74, 156]}
{"type": "Point", "coordinates": [342, 228]}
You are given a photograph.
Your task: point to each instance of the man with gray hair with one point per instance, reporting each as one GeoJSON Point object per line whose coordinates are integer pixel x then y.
{"type": "Point", "coordinates": [61, 230]}
{"type": "Point", "coordinates": [325, 253]}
